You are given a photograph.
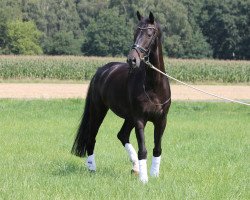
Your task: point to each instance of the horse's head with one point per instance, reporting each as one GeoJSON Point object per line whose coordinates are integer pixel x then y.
{"type": "Point", "coordinates": [146, 34]}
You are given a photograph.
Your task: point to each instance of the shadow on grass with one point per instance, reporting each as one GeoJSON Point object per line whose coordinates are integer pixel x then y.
{"type": "Point", "coordinates": [61, 168]}
{"type": "Point", "coordinates": [65, 168]}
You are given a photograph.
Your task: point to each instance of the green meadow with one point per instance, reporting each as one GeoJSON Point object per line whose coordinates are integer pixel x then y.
{"type": "Point", "coordinates": [206, 154]}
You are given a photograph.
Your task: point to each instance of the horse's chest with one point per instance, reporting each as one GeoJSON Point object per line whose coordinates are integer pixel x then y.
{"type": "Point", "coordinates": [152, 110]}
{"type": "Point", "coordinates": [147, 107]}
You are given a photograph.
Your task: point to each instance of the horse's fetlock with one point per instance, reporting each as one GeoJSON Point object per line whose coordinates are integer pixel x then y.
{"type": "Point", "coordinates": [142, 154]}
{"type": "Point", "coordinates": [157, 152]}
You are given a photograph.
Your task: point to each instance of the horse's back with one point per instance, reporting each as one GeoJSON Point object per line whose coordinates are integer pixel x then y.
{"type": "Point", "coordinates": [111, 71]}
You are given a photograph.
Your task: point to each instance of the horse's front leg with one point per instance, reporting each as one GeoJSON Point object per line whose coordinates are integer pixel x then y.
{"type": "Point", "coordinates": [156, 160]}
{"type": "Point", "coordinates": [142, 152]}
{"type": "Point", "coordinates": [123, 136]}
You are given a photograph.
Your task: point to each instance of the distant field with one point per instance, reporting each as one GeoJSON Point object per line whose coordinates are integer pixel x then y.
{"type": "Point", "coordinates": [75, 68]}
{"type": "Point", "coordinates": [206, 154]}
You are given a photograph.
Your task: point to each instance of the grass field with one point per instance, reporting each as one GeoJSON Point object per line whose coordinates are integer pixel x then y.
{"type": "Point", "coordinates": [206, 154]}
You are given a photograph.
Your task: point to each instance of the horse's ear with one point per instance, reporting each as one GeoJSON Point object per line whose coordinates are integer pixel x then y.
{"type": "Point", "coordinates": [139, 15]}
{"type": "Point", "coordinates": [151, 18]}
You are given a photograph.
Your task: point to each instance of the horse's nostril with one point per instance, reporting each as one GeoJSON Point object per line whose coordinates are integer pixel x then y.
{"type": "Point", "coordinates": [133, 60]}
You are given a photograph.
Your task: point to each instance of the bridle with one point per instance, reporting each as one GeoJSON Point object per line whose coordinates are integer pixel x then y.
{"type": "Point", "coordinates": [138, 48]}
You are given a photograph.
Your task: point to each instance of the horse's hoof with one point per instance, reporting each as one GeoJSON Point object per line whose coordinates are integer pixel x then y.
{"type": "Point", "coordinates": [92, 171]}
{"type": "Point", "coordinates": [154, 174]}
{"type": "Point", "coordinates": [144, 180]}
{"type": "Point", "coordinates": [136, 173]}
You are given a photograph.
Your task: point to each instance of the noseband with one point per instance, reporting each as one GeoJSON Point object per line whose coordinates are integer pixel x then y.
{"type": "Point", "coordinates": [138, 48]}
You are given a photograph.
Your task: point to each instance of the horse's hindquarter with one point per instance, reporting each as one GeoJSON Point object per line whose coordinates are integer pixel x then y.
{"type": "Point", "coordinates": [111, 86]}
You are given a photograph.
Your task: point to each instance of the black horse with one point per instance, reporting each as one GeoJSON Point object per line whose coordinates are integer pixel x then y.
{"type": "Point", "coordinates": [134, 92]}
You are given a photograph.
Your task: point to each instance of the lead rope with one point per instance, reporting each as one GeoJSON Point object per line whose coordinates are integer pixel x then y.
{"type": "Point", "coordinates": [190, 86]}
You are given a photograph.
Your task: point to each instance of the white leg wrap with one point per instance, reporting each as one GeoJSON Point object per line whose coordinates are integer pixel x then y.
{"type": "Point", "coordinates": [132, 156]}
{"type": "Point", "coordinates": [91, 162]}
{"type": "Point", "coordinates": [143, 171]}
{"type": "Point", "coordinates": [155, 167]}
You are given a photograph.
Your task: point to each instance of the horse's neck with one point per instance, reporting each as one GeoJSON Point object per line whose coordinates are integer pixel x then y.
{"type": "Point", "coordinates": [153, 78]}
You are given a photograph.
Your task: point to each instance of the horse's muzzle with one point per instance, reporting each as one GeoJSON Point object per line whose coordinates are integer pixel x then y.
{"type": "Point", "coordinates": [133, 59]}
{"type": "Point", "coordinates": [131, 62]}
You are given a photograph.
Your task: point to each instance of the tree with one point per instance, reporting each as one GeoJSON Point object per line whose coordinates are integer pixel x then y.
{"type": "Point", "coordinates": [59, 21]}
{"type": "Point", "coordinates": [89, 9]}
{"type": "Point", "coordinates": [9, 10]}
{"type": "Point", "coordinates": [108, 35]}
{"type": "Point", "coordinates": [63, 43]}
{"type": "Point", "coordinates": [62, 15]}
{"type": "Point", "coordinates": [226, 25]}
{"type": "Point", "coordinates": [182, 38]}
{"type": "Point", "coordinates": [243, 24]}
{"type": "Point", "coordinates": [23, 38]}
{"type": "Point", "coordinates": [191, 28]}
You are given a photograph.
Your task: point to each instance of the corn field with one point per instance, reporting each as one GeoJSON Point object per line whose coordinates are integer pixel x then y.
{"type": "Point", "coordinates": [83, 68]}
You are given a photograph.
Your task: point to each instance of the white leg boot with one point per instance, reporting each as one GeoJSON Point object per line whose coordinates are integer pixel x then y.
{"type": "Point", "coordinates": [133, 157]}
{"type": "Point", "coordinates": [155, 167]}
{"type": "Point", "coordinates": [91, 162]}
{"type": "Point", "coordinates": [143, 174]}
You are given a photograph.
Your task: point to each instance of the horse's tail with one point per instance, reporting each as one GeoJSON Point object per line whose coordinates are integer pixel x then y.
{"type": "Point", "coordinates": [82, 136]}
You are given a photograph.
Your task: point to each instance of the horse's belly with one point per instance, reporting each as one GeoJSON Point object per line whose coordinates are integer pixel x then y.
{"type": "Point", "coordinates": [118, 103]}
{"type": "Point", "coordinates": [119, 112]}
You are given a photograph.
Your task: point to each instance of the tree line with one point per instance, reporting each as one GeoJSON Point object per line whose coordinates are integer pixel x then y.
{"type": "Point", "coordinates": [191, 28]}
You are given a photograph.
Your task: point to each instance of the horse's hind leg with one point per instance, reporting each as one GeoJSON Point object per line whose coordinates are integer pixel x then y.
{"type": "Point", "coordinates": [123, 136]}
{"type": "Point", "coordinates": [98, 112]}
